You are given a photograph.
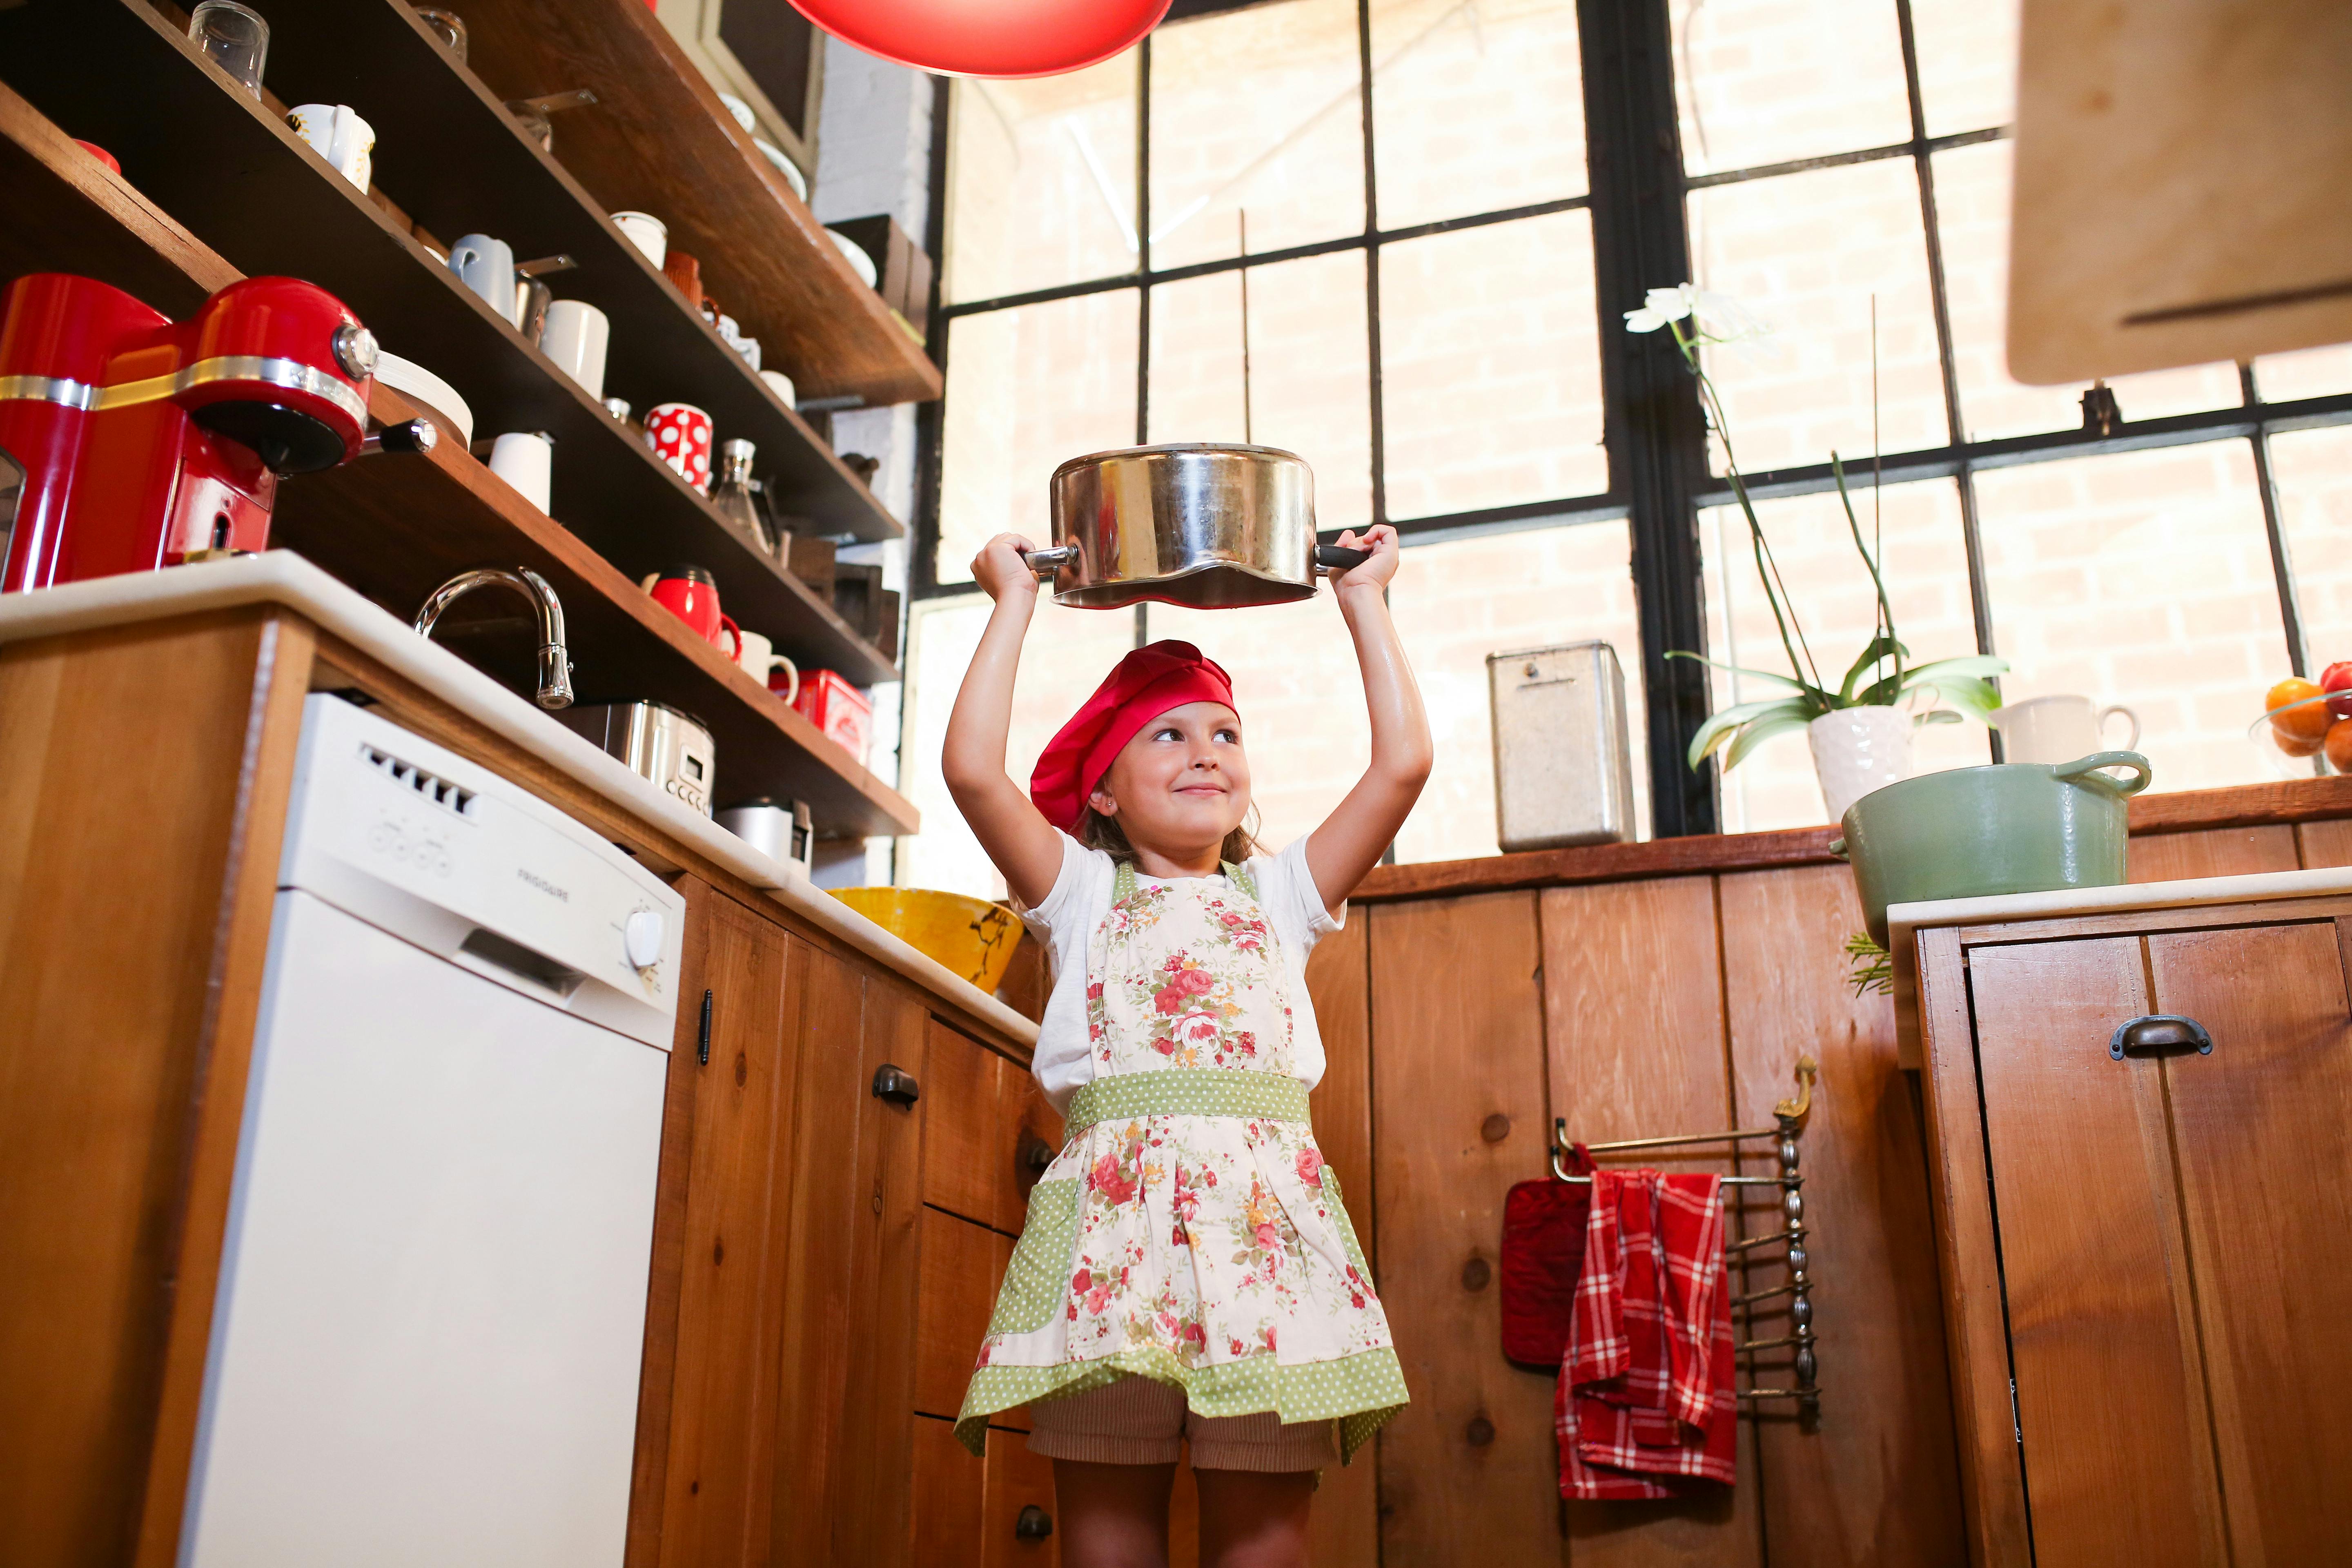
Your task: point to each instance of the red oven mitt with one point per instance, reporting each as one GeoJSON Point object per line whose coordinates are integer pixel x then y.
{"type": "Point", "coordinates": [1543, 1251]}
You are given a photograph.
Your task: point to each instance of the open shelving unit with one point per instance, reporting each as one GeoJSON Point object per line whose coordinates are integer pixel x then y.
{"type": "Point", "coordinates": [116, 73]}
{"type": "Point", "coordinates": [659, 141]}
{"type": "Point", "coordinates": [393, 527]}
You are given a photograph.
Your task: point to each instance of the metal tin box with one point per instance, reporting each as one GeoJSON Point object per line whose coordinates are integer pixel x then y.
{"type": "Point", "coordinates": [1563, 767]}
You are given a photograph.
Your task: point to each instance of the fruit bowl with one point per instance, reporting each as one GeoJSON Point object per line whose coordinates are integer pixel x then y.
{"type": "Point", "coordinates": [2296, 736]}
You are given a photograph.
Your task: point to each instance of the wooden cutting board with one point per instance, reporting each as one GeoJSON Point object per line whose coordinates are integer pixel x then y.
{"type": "Point", "coordinates": [2184, 183]}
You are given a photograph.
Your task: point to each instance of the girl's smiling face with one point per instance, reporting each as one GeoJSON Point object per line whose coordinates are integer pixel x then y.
{"type": "Point", "coordinates": [1182, 784]}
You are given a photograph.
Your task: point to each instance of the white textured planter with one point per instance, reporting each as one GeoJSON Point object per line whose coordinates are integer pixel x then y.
{"type": "Point", "coordinates": [1857, 749]}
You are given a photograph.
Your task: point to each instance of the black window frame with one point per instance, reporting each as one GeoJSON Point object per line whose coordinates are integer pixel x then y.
{"type": "Point", "coordinates": [1654, 434]}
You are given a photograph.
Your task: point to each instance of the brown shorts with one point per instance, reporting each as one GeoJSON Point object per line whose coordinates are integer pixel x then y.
{"type": "Point", "coordinates": [1135, 1421]}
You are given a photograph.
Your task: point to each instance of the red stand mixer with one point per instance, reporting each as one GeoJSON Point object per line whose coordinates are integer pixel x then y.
{"type": "Point", "coordinates": [146, 442]}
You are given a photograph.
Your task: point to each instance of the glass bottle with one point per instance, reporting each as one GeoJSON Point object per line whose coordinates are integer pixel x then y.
{"type": "Point", "coordinates": [732, 496]}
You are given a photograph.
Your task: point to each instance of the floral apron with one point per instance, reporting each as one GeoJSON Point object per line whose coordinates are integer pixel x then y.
{"type": "Point", "coordinates": [1189, 1231]}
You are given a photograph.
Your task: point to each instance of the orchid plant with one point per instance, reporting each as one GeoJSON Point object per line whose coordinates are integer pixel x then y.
{"type": "Point", "coordinates": [1882, 675]}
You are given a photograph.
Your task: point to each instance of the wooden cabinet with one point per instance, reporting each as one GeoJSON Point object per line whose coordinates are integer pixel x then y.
{"type": "Point", "coordinates": [706, 1404]}
{"type": "Point", "coordinates": [2150, 1245]}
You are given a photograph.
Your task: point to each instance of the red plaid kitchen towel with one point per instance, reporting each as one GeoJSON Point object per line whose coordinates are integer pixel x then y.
{"type": "Point", "coordinates": [1644, 1406]}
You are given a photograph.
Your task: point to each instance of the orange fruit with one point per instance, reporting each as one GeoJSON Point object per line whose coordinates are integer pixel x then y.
{"type": "Point", "coordinates": [2308, 721]}
{"type": "Point", "coordinates": [2339, 746]}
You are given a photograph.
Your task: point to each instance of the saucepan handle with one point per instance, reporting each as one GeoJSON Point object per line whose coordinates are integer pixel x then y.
{"type": "Point", "coordinates": [1336, 558]}
{"type": "Point", "coordinates": [1049, 563]}
{"type": "Point", "coordinates": [2141, 771]}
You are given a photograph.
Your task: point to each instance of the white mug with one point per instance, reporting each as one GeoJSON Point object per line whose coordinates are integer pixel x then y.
{"type": "Point", "coordinates": [525, 459]}
{"type": "Point", "coordinates": [781, 386]}
{"type": "Point", "coordinates": [575, 338]}
{"type": "Point", "coordinates": [647, 233]}
{"type": "Point", "coordinates": [2058, 728]}
{"type": "Point", "coordinates": [337, 133]}
{"type": "Point", "coordinates": [486, 266]}
{"type": "Point", "coordinates": [758, 658]}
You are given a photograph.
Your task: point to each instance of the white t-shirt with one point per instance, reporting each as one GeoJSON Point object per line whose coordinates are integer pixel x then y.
{"type": "Point", "coordinates": [1065, 923]}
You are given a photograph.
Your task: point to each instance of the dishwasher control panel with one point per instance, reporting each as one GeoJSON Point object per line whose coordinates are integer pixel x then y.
{"type": "Point", "coordinates": [445, 854]}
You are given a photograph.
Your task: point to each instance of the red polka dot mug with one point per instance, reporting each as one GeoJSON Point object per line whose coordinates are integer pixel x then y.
{"type": "Point", "coordinates": [679, 435]}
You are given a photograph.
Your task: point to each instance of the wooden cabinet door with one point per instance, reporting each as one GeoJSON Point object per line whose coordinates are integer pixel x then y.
{"type": "Point", "coordinates": [2262, 1132]}
{"type": "Point", "coordinates": [708, 1396]}
{"type": "Point", "coordinates": [2173, 1240]}
{"type": "Point", "coordinates": [814, 1379]}
{"type": "Point", "coordinates": [873, 1525]}
{"type": "Point", "coordinates": [2108, 1387]}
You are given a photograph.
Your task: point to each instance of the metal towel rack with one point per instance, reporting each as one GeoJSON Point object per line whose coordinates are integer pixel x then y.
{"type": "Point", "coordinates": [1789, 1119]}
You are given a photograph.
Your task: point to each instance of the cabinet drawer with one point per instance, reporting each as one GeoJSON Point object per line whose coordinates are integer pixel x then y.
{"type": "Point", "coordinates": [1018, 1479]}
{"type": "Point", "coordinates": [963, 1125]}
{"type": "Point", "coordinates": [988, 1131]}
{"type": "Point", "coordinates": [951, 1487]}
{"type": "Point", "coordinates": [961, 1265]}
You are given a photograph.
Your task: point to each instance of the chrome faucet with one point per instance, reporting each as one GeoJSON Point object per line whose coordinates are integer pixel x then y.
{"type": "Point", "coordinates": [554, 660]}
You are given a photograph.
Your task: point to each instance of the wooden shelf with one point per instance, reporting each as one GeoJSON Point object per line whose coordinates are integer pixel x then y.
{"type": "Point", "coordinates": [395, 527]}
{"type": "Point", "coordinates": [114, 72]}
{"type": "Point", "coordinates": [660, 141]}
{"type": "Point", "coordinates": [450, 156]}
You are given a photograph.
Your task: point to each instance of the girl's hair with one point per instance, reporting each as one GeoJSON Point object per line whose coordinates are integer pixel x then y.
{"type": "Point", "coordinates": [1097, 831]}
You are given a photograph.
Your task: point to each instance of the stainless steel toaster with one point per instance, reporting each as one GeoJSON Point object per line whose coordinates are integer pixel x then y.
{"type": "Point", "coordinates": [1563, 764]}
{"type": "Point", "coordinates": [658, 743]}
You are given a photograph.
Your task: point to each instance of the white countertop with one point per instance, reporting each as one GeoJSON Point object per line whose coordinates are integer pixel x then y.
{"type": "Point", "coordinates": [1904, 922]}
{"type": "Point", "coordinates": [281, 577]}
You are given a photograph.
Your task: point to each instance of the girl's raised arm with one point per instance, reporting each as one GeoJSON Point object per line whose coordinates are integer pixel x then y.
{"type": "Point", "coordinates": [1016, 836]}
{"type": "Point", "coordinates": [1354, 836]}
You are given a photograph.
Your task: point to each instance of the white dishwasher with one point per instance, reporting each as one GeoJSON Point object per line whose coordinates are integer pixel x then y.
{"type": "Point", "coordinates": [431, 1307]}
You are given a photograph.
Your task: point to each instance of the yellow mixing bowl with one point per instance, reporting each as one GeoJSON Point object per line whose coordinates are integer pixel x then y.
{"type": "Point", "coordinates": [974, 938]}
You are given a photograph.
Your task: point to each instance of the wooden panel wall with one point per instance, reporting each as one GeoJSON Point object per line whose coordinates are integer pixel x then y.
{"type": "Point", "coordinates": [2214, 852]}
{"type": "Point", "coordinates": [1466, 1472]}
{"type": "Point", "coordinates": [1878, 1480]}
{"type": "Point", "coordinates": [1634, 1015]}
{"type": "Point", "coordinates": [1635, 1009]}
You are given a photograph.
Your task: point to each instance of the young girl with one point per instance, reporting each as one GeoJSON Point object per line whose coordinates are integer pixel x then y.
{"type": "Point", "coordinates": [1187, 1271]}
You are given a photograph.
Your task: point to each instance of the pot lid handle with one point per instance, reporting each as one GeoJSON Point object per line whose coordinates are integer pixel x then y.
{"type": "Point", "coordinates": [2084, 769]}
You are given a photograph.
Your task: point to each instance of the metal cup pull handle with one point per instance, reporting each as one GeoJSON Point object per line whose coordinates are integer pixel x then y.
{"type": "Point", "coordinates": [1336, 558]}
{"type": "Point", "coordinates": [896, 1085]}
{"type": "Point", "coordinates": [2159, 1034]}
{"type": "Point", "coordinates": [1049, 563]}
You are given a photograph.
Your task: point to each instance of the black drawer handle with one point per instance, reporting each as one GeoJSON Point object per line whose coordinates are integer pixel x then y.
{"type": "Point", "coordinates": [1034, 1524]}
{"type": "Point", "coordinates": [896, 1085]}
{"type": "Point", "coordinates": [2159, 1034]}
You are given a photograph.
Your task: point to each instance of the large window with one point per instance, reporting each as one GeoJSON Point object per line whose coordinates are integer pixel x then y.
{"type": "Point", "coordinates": [1400, 190]}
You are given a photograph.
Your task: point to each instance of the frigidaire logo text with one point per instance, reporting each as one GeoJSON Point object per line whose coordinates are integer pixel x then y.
{"type": "Point", "coordinates": [543, 885]}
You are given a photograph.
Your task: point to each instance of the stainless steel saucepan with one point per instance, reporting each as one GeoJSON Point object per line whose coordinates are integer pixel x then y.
{"type": "Point", "coordinates": [1205, 525]}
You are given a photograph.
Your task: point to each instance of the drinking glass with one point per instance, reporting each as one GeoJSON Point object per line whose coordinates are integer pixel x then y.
{"type": "Point", "coordinates": [445, 26]}
{"type": "Point", "coordinates": [236, 40]}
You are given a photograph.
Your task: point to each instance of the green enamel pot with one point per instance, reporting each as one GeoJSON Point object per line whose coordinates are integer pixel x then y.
{"type": "Point", "coordinates": [2017, 827]}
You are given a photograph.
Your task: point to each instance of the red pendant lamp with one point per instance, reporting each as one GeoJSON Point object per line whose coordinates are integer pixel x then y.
{"type": "Point", "coordinates": [988, 38]}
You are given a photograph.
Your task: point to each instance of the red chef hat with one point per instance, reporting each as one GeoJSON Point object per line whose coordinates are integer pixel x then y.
{"type": "Point", "coordinates": [1144, 685]}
